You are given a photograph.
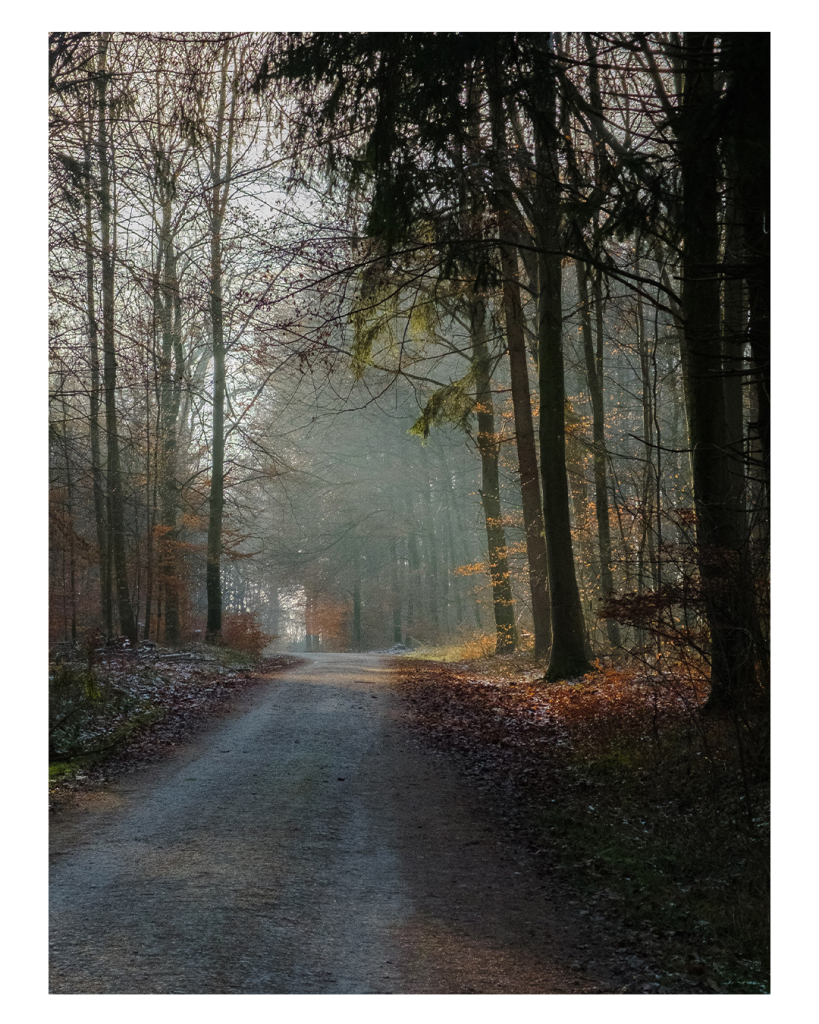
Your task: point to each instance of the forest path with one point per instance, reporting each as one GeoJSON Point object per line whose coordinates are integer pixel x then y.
{"type": "Point", "coordinates": [307, 843]}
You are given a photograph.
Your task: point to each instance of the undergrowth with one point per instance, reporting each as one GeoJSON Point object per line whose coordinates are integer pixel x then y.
{"type": "Point", "coordinates": [650, 809]}
{"type": "Point", "coordinates": [102, 701]}
{"type": "Point", "coordinates": [89, 714]}
{"type": "Point", "coordinates": [471, 646]}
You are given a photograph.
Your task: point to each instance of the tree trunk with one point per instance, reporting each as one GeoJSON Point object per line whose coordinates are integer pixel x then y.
{"type": "Point", "coordinates": [519, 378]}
{"type": "Point", "coordinates": [462, 532]}
{"type": "Point", "coordinates": [452, 559]}
{"type": "Point", "coordinates": [594, 377]}
{"type": "Point", "coordinates": [150, 501]}
{"type": "Point", "coordinates": [70, 529]}
{"type": "Point", "coordinates": [309, 615]}
{"type": "Point", "coordinates": [502, 600]}
{"type": "Point", "coordinates": [734, 335]}
{"type": "Point", "coordinates": [219, 191]}
{"type": "Point", "coordinates": [106, 603]}
{"type": "Point", "coordinates": [749, 60]}
{"type": "Point", "coordinates": [395, 579]}
{"type": "Point", "coordinates": [527, 461]}
{"type": "Point", "coordinates": [569, 655]}
{"type": "Point", "coordinates": [116, 503]}
{"type": "Point", "coordinates": [357, 631]}
{"type": "Point", "coordinates": [171, 371]}
{"type": "Point", "coordinates": [437, 615]}
{"type": "Point", "coordinates": [719, 532]}
{"type": "Point", "coordinates": [413, 582]}
{"type": "Point", "coordinates": [650, 478]}
{"type": "Point", "coordinates": [213, 579]}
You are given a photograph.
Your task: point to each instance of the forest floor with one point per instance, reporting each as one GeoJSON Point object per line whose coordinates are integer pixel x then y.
{"type": "Point", "coordinates": [647, 813]}
{"type": "Point", "coordinates": [310, 842]}
{"type": "Point", "coordinates": [143, 706]}
{"type": "Point", "coordinates": [590, 836]}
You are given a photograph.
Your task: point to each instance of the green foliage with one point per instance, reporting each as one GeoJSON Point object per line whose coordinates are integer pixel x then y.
{"type": "Point", "coordinates": [60, 769]}
{"type": "Point", "coordinates": [86, 714]}
{"type": "Point", "coordinates": [423, 319]}
{"type": "Point", "coordinates": [378, 319]}
{"type": "Point", "coordinates": [454, 403]}
{"type": "Point", "coordinates": [372, 318]}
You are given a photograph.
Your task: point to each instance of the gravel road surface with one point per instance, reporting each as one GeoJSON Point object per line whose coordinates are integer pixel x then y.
{"type": "Point", "coordinates": [306, 843]}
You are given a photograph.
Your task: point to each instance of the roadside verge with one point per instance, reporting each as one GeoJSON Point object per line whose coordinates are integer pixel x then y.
{"type": "Point", "coordinates": [134, 708]}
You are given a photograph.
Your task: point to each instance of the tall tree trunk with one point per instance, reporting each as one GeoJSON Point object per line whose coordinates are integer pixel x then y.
{"type": "Point", "coordinates": [116, 503]}
{"type": "Point", "coordinates": [414, 581]}
{"type": "Point", "coordinates": [70, 529]}
{"type": "Point", "coordinates": [150, 516]}
{"type": "Point", "coordinates": [649, 483]}
{"type": "Point", "coordinates": [569, 655]}
{"type": "Point", "coordinates": [106, 602]}
{"type": "Point", "coordinates": [455, 581]}
{"type": "Point", "coordinates": [734, 335]}
{"type": "Point", "coordinates": [748, 58]}
{"type": "Point", "coordinates": [218, 197]}
{"type": "Point", "coordinates": [527, 465]}
{"type": "Point", "coordinates": [357, 629]}
{"type": "Point", "coordinates": [449, 534]}
{"type": "Point", "coordinates": [272, 618]}
{"type": "Point", "coordinates": [149, 520]}
{"type": "Point", "coordinates": [594, 377]}
{"type": "Point", "coordinates": [527, 455]}
{"type": "Point", "coordinates": [472, 204]}
{"type": "Point", "coordinates": [462, 532]}
{"type": "Point", "coordinates": [509, 227]}
{"type": "Point", "coordinates": [309, 621]}
{"type": "Point", "coordinates": [432, 560]}
{"type": "Point", "coordinates": [719, 519]}
{"type": "Point", "coordinates": [217, 479]}
{"type": "Point", "coordinates": [395, 581]}
{"type": "Point", "coordinates": [171, 371]}
{"type": "Point", "coordinates": [502, 600]}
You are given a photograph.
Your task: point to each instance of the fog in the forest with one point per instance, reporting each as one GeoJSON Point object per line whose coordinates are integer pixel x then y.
{"type": "Point", "coordinates": [361, 357]}
{"type": "Point", "coordinates": [410, 392]}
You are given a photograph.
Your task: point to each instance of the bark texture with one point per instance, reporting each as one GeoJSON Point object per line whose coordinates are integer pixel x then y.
{"type": "Point", "coordinates": [594, 375]}
{"type": "Point", "coordinates": [221, 165]}
{"type": "Point", "coordinates": [569, 654]}
{"type": "Point", "coordinates": [116, 499]}
{"type": "Point", "coordinates": [720, 540]}
{"type": "Point", "coordinates": [502, 600]}
{"type": "Point", "coordinates": [521, 396]}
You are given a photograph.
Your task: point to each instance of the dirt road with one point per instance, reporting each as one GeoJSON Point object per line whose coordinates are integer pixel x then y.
{"type": "Point", "coordinates": [305, 844]}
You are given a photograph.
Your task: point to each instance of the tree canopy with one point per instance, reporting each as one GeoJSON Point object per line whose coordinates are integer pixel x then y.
{"type": "Point", "coordinates": [415, 337]}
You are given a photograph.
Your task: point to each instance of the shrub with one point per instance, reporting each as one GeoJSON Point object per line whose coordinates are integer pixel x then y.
{"type": "Point", "coordinates": [85, 714]}
{"type": "Point", "coordinates": [478, 645]}
{"type": "Point", "coordinates": [242, 632]}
